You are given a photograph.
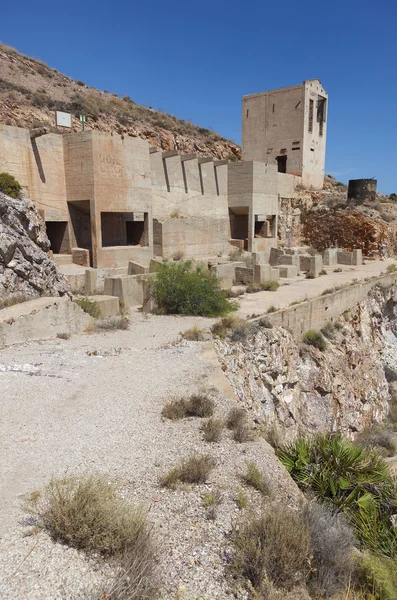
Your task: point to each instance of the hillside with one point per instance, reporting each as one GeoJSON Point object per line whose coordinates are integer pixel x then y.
{"type": "Point", "coordinates": [30, 91]}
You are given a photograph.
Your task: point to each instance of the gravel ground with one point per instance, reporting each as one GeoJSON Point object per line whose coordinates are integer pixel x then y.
{"type": "Point", "coordinates": [92, 404]}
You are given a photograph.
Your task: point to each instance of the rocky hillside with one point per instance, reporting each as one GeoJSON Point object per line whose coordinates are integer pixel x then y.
{"type": "Point", "coordinates": [328, 219]}
{"type": "Point", "coordinates": [26, 270]}
{"type": "Point", "coordinates": [30, 91]}
{"type": "Point", "coordinates": [297, 389]}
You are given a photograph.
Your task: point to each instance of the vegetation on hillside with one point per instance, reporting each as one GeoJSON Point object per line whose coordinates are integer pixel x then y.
{"type": "Point", "coordinates": [9, 185]}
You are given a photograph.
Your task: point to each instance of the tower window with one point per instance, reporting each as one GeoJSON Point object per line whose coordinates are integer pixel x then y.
{"type": "Point", "coordinates": [311, 111]}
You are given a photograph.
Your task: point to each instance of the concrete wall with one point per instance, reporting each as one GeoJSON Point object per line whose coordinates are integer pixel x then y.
{"type": "Point", "coordinates": [317, 312]}
{"type": "Point", "coordinates": [276, 124]}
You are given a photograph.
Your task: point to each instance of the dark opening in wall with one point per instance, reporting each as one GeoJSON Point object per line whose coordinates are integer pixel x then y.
{"type": "Point", "coordinates": [238, 219]}
{"type": "Point", "coordinates": [282, 163]}
{"type": "Point", "coordinates": [58, 235]}
{"type": "Point", "coordinates": [265, 227]}
{"type": "Point", "coordinates": [321, 113]}
{"type": "Point", "coordinates": [311, 111]}
{"type": "Point", "coordinates": [124, 229]}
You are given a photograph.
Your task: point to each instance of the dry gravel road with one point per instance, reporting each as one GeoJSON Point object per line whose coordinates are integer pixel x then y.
{"type": "Point", "coordinates": [93, 404]}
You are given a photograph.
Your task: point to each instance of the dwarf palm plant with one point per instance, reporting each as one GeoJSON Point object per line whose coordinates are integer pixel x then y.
{"type": "Point", "coordinates": [353, 478]}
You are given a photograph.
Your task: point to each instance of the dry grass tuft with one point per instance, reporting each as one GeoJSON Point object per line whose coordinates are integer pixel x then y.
{"type": "Point", "coordinates": [272, 547]}
{"type": "Point", "coordinates": [212, 429]}
{"type": "Point", "coordinates": [86, 513]}
{"type": "Point", "coordinates": [235, 417]}
{"type": "Point", "coordinates": [236, 326]}
{"type": "Point", "coordinates": [194, 334]}
{"type": "Point", "coordinates": [63, 336]}
{"type": "Point", "coordinates": [378, 436]}
{"type": "Point", "coordinates": [194, 469]}
{"type": "Point", "coordinates": [243, 433]}
{"type": "Point", "coordinates": [255, 478]}
{"type": "Point", "coordinates": [198, 405]}
{"type": "Point", "coordinates": [113, 323]}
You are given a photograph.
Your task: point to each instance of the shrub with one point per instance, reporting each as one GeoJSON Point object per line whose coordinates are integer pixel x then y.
{"type": "Point", "coordinates": [271, 309]}
{"type": "Point", "coordinates": [315, 338]}
{"type": "Point", "coordinates": [194, 334]}
{"type": "Point", "coordinates": [183, 289]}
{"type": "Point", "coordinates": [375, 577]}
{"type": "Point", "coordinates": [86, 513]}
{"type": "Point", "coordinates": [264, 322]}
{"type": "Point", "coordinates": [323, 272]}
{"type": "Point", "coordinates": [178, 255]}
{"type": "Point", "coordinates": [255, 478]}
{"type": "Point", "coordinates": [241, 500]}
{"type": "Point", "coordinates": [89, 306]}
{"type": "Point", "coordinates": [198, 405]}
{"type": "Point", "coordinates": [273, 547]}
{"type": "Point", "coordinates": [9, 185]}
{"type": "Point", "coordinates": [221, 328]}
{"type": "Point", "coordinates": [353, 478]}
{"type": "Point", "coordinates": [235, 417]}
{"type": "Point", "coordinates": [331, 544]}
{"type": "Point", "coordinates": [212, 429]}
{"type": "Point", "coordinates": [391, 268]}
{"type": "Point", "coordinates": [63, 336]}
{"type": "Point", "coordinates": [243, 433]}
{"type": "Point", "coordinates": [338, 270]}
{"type": "Point", "coordinates": [113, 323]}
{"type": "Point", "coordinates": [269, 285]}
{"type": "Point", "coordinates": [211, 502]}
{"type": "Point", "coordinates": [191, 470]}
{"type": "Point", "coordinates": [253, 288]}
{"type": "Point", "coordinates": [310, 275]}
{"type": "Point", "coordinates": [233, 293]}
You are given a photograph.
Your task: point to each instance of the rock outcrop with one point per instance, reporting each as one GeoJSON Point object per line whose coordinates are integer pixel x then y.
{"type": "Point", "coordinates": [298, 389]}
{"type": "Point", "coordinates": [26, 270]}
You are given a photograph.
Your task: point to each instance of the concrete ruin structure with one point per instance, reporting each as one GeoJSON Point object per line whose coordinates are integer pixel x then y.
{"type": "Point", "coordinates": [288, 128]}
{"type": "Point", "coordinates": [110, 200]}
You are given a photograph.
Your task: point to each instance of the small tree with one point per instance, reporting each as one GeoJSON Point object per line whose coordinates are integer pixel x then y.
{"type": "Point", "coordinates": [9, 185]}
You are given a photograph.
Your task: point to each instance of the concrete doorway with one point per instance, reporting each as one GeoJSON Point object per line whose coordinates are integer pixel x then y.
{"type": "Point", "coordinates": [282, 163]}
{"type": "Point", "coordinates": [80, 218]}
{"type": "Point", "coordinates": [57, 232]}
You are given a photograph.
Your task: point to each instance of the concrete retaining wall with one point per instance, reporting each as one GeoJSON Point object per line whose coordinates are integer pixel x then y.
{"type": "Point", "coordinates": [317, 312]}
{"type": "Point", "coordinates": [40, 319]}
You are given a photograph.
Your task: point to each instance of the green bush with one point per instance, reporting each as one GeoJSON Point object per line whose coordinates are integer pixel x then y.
{"type": "Point", "coordinates": [89, 306]}
{"type": "Point", "coordinates": [391, 268]}
{"type": "Point", "coordinates": [315, 338]}
{"type": "Point", "coordinates": [353, 478]}
{"type": "Point", "coordinates": [9, 185]}
{"type": "Point", "coordinates": [184, 289]}
{"type": "Point", "coordinates": [376, 577]}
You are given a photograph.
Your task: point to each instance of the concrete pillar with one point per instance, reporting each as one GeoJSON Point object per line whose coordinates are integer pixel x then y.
{"type": "Point", "coordinates": [357, 258]}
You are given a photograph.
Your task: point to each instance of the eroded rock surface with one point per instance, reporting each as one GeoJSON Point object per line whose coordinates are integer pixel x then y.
{"type": "Point", "coordinates": [300, 389]}
{"type": "Point", "coordinates": [25, 267]}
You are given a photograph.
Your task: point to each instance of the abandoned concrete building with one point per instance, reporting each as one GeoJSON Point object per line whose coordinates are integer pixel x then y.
{"type": "Point", "coordinates": [288, 126]}
{"type": "Point", "coordinates": [108, 199]}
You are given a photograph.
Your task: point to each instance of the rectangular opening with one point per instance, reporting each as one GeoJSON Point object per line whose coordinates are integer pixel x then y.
{"type": "Point", "coordinates": [282, 163]}
{"type": "Point", "coordinates": [265, 227]}
{"type": "Point", "coordinates": [321, 113]}
{"type": "Point", "coordinates": [311, 111]}
{"type": "Point", "coordinates": [238, 219]}
{"type": "Point", "coordinates": [57, 232]}
{"type": "Point", "coordinates": [124, 229]}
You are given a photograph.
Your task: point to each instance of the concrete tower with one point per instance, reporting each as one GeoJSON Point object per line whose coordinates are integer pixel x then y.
{"type": "Point", "coordinates": [287, 127]}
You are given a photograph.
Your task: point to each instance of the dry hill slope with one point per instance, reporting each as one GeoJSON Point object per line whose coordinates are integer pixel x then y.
{"type": "Point", "coordinates": [30, 91]}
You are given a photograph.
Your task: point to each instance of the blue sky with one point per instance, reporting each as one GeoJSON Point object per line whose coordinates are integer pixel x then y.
{"type": "Point", "coordinates": [196, 59]}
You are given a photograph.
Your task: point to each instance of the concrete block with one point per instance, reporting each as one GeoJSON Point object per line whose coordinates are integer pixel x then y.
{"type": "Point", "coordinates": [288, 259]}
{"type": "Point", "coordinates": [108, 305]}
{"type": "Point", "coordinates": [275, 253]}
{"type": "Point", "coordinates": [135, 268]}
{"type": "Point", "coordinates": [344, 258]}
{"type": "Point", "coordinates": [128, 288]}
{"type": "Point", "coordinates": [316, 265]}
{"type": "Point", "coordinates": [154, 265]}
{"type": "Point", "coordinates": [81, 256]}
{"type": "Point", "coordinates": [260, 258]}
{"type": "Point", "coordinates": [262, 272]}
{"type": "Point", "coordinates": [226, 272]}
{"type": "Point", "coordinates": [288, 271]}
{"type": "Point", "coordinates": [244, 275]}
{"type": "Point", "coordinates": [90, 282]}
{"type": "Point", "coordinates": [304, 262]}
{"type": "Point", "coordinates": [149, 303]}
{"type": "Point", "coordinates": [330, 257]}
{"type": "Point", "coordinates": [237, 243]}
{"type": "Point", "coordinates": [274, 274]}
{"type": "Point", "coordinates": [357, 258]}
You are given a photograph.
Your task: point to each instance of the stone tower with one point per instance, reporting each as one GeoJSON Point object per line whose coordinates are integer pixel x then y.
{"type": "Point", "coordinates": [288, 127]}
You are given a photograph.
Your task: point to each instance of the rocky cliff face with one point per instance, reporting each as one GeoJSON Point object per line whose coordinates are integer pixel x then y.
{"type": "Point", "coordinates": [26, 269]}
{"type": "Point", "coordinates": [299, 389]}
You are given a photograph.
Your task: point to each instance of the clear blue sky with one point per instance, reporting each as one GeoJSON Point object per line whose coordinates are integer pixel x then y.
{"type": "Point", "coordinates": [196, 59]}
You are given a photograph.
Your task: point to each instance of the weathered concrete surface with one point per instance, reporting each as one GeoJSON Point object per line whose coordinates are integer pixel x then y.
{"type": "Point", "coordinates": [244, 275]}
{"type": "Point", "coordinates": [226, 273]}
{"type": "Point", "coordinates": [135, 268]}
{"type": "Point", "coordinates": [108, 305]}
{"type": "Point", "coordinates": [40, 319]}
{"type": "Point", "coordinates": [287, 271]}
{"type": "Point", "coordinates": [128, 288]}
